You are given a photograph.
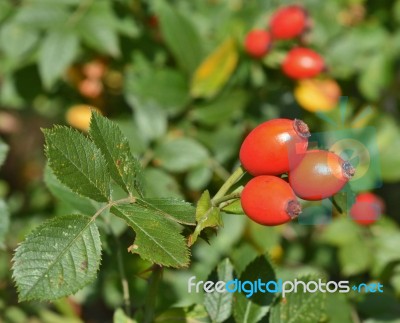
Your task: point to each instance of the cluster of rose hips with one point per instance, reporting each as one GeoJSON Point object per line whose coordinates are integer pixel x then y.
{"type": "Point", "coordinates": [91, 86]}
{"type": "Point", "coordinates": [278, 147]}
{"type": "Point", "coordinates": [287, 23]}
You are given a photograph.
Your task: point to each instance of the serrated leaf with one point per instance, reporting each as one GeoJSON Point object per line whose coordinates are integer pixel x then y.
{"type": "Point", "coordinates": [158, 239]}
{"type": "Point", "coordinates": [58, 258]}
{"type": "Point", "coordinates": [215, 70]}
{"type": "Point", "coordinates": [252, 309]}
{"type": "Point", "coordinates": [124, 169]}
{"type": "Point", "coordinates": [207, 216]}
{"type": "Point", "coordinates": [219, 305]}
{"type": "Point", "coordinates": [77, 163]}
{"type": "Point", "coordinates": [3, 152]}
{"type": "Point", "coordinates": [57, 52]}
{"type": "Point", "coordinates": [4, 221]}
{"type": "Point", "coordinates": [175, 209]}
{"type": "Point", "coordinates": [64, 194]}
{"type": "Point", "coordinates": [179, 155]}
{"type": "Point", "coordinates": [180, 36]}
{"type": "Point", "coordinates": [300, 307]}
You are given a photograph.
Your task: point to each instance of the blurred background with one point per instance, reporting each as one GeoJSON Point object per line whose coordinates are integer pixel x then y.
{"type": "Point", "coordinates": [178, 79]}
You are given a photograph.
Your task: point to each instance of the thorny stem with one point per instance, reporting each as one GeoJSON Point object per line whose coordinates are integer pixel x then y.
{"type": "Point", "coordinates": [228, 184]}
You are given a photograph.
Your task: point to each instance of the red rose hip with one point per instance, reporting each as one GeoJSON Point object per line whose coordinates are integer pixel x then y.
{"type": "Point", "coordinates": [288, 22]}
{"type": "Point", "coordinates": [367, 208]}
{"type": "Point", "coordinates": [269, 200]}
{"type": "Point", "coordinates": [257, 43]}
{"type": "Point", "coordinates": [302, 63]}
{"type": "Point", "coordinates": [274, 147]}
{"type": "Point", "coordinates": [319, 175]}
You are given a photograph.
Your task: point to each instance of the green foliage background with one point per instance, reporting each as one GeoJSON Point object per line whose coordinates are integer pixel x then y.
{"type": "Point", "coordinates": [186, 132]}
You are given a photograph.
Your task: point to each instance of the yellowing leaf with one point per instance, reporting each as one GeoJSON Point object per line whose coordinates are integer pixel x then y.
{"type": "Point", "coordinates": [215, 70]}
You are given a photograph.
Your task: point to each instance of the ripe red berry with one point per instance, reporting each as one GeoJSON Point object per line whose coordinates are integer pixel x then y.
{"type": "Point", "coordinates": [319, 175]}
{"type": "Point", "coordinates": [257, 43]}
{"type": "Point", "coordinates": [274, 147]}
{"type": "Point", "coordinates": [288, 22]}
{"type": "Point", "coordinates": [302, 63]}
{"type": "Point", "coordinates": [367, 208]}
{"type": "Point", "coordinates": [269, 200]}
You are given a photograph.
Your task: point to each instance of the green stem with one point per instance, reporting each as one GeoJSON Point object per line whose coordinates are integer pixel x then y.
{"type": "Point", "coordinates": [228, 184]}
{"type": "Point", "coordinates": [228, 197]}
{"type": "Point", "coordinates": [150, 303]}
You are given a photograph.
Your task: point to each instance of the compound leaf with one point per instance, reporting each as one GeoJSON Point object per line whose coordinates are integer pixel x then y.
{"type": "Point", "coordinates": [58, 258]}
{"type": "Point", "coordinates": [77, 163]}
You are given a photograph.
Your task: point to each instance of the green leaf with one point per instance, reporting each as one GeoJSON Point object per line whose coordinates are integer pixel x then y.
{"type": "Point", "coordinates": [388, 136]}
{"type": "Point", "coordinates": [77, 163]}
{"type": "Point", "coordinates": [42, 15]}
{"type": "Point", "coordinates": [124, 169]}
{"type": "Point", "coordinates": [160, 184]}
{"type": "Point", "coordinates": [167, 88]}
{"type": "Point", "coordinates": [98, 28]}
{"type": "Point", "coordinates": [375, 76]}
{"type": "Point", "coordinates": [387, 251]}
{"type": "Point", "coordinates": [57, 52]}
{"type": "Point", "coordinates": [234, 208]}
{"type": "Point", "coordinates": [3, 151]}
{"type": "Point", "coordinates": [354, 257]}
{"type": "Point", "coordinates": [344, 199]}
{"type": "Point", "coordinates": [207, 216]}
{"type": "Point", "coordinates": [193, 314]}
{"type": "Point", "coordinates": [4, 221]}
{"type": "Point", "coordinates": [157, 238]}
{"type": "Point", "coordinates": [180, 36]}
{"type": "Point", "coordinates": [252, 309]}
{"type": "Point", "coordinates": [340, 232]}
{"type": "Point", "coordinates": [300, 307]}
{"type": "Point", "coordinates": [150, 119]}
{"type": "Point", "coordinates": [120, 317]}
{"type": "Point", "coordinates": [215, 70]}
{"type": "Point", "coordinates": [219, 305]}
{"type": "Point", "coordinates": [179, 155]}
{"type": "Point", "coordinates": [174, 209]}
{"type": "Point", "coordinates": [198, 178]}
{"type": "Point", "coordinates": [226, 106]}
{"type": "Point", "coordinates": [17, 40]}
{"type": "Point", "coordinates": [58, 258]}
{"type": "Point", "coordinates": [338, 308]}
{"type": "Point", "coordinates": [79, 203]}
